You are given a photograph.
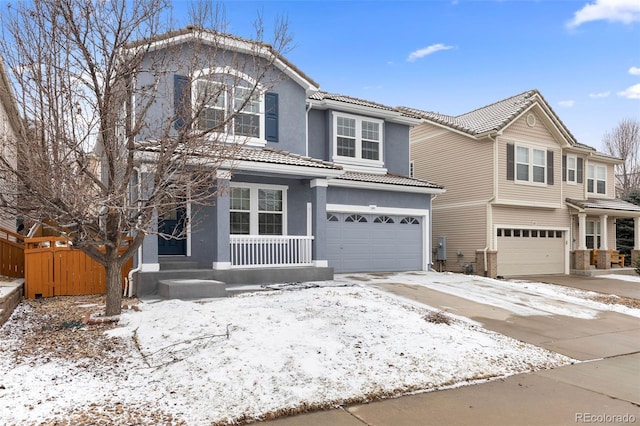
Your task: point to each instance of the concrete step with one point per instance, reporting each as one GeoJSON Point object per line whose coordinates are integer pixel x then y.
{"type": "Point", "coordinates": [188, 289]}
{"type": "Point", "coordinates": [172, 265]}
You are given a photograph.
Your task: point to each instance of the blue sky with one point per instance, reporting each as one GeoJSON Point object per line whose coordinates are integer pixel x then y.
{"type": "Point", "coordinates": [456, 56]}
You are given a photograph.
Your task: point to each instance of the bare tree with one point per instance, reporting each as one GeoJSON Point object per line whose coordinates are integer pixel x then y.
{"type": "Point", "coordinates": [101, 74]}
{"type": "Point", "coordinates": [624, 142]}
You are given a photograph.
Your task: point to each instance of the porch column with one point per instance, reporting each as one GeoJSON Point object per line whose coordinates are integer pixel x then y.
{"type": "Point", "coordinates": [582, 231]}
{"type": "Point", "coordinates": [319, 221]}
{"type": "Point", "coordinates": [635, 253]}
{"type": "Point", "coordinates": [149, 261]}
{"type": "Point", "coordinates": [222, 249]}
{"type": "Point", "coordinates": [582, 259]}
{"type": "Point", "coordinates": [604, 256]}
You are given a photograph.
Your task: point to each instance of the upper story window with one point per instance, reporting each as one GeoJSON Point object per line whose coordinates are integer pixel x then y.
{"type": "Point", "coordinates": [527, 164]}
{"type": "Point", "coordinates": [530, 164]}
{"type": "Point", "coordinates": [572, 165]}
{"type": "Point", "coordinates": [596, 179]}
{"type": "Point", "coordinates": [233, 110]}
{"type": "Point", "coordinates": [357, 140]}
{"type": "Point", "coordinates": [228, 102]}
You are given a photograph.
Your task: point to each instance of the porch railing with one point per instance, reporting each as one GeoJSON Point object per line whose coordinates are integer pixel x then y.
{"type": "Point", "coordinates": [252, 251]}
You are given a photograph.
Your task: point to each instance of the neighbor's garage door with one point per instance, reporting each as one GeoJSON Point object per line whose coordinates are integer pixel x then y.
{"type": "Point", "coordinates": [369, 243]}
{"type": "Point", "coordinates": [530, 252]}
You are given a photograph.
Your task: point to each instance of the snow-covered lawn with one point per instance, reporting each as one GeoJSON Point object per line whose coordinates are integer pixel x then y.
{"type": "Point", "coordinates": [631, 278]}
{"type": "Point", "coordinates": [258, 355]}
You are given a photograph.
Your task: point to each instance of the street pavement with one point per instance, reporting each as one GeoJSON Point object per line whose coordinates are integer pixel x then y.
{"type": "Point", "coordinates": [604, 388]}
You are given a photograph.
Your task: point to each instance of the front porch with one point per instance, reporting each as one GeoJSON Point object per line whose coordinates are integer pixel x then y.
{"type": "Point", "coordinates": [594, 250]}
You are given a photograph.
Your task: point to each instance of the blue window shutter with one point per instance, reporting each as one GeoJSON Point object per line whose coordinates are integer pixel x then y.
{"type": "Point", "coordinates": [271, 117]}
{"type": "Point", "coordinates": [181, 100]}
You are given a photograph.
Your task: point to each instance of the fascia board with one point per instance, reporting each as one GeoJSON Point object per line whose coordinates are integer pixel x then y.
{"type": "Point", "coordinates": [391, 116]}
{"type": "Point", "coordinates": [285, 169]}
{"type": "Point", "coordinates": [340, 183]}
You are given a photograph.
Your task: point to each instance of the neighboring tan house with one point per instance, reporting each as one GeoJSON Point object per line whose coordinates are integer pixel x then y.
{"type": "Point", "coordinates": [324, 176]}
{"type": "Point", "coordinates": [10, 125]}
{"type": "Point", "coordinates": [523, 196]}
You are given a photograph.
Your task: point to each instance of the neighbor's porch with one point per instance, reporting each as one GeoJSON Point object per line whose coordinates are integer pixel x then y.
{"type": "Point", "coordinates": [594, 227]}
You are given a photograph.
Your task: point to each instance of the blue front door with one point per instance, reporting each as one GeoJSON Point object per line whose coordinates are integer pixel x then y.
{"type": "Point", "coordinates": [172, 224]}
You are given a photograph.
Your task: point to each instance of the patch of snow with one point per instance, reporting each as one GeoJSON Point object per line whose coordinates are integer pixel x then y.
{"type": "Point", "coordinates": [631, 278]}
{"type": "Point", "coordinates": [258, 353]}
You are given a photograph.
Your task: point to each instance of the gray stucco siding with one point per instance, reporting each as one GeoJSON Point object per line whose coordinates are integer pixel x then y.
{"type": "Point", "coordinates": [396, 148]}
{"type": "Point", "coordinates": [291, 117]}
{"type": "Point", "coordinates": [320, 145]}
{"type": "Point", "coordinates": [367, 197]}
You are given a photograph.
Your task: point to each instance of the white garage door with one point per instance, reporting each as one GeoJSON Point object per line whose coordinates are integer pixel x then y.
{"type": "Point", "coordinates": [369, 243]}
{"type": "Point", "coordinates": [530, 252]}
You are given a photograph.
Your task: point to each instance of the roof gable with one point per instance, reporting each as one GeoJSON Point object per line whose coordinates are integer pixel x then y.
{"type": "Point", "coordinates": [497, 116]}
{"type": "Point", "coordinates": [231, 43]}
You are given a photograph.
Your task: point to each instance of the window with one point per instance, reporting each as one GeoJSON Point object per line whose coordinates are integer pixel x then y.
{"type": "Point", "coordinates": [356, 218]}
{"type": "Point", "coordinates": [230, 104]}
{"type": "Point", "coordinates": [530, 164]}
{"type": "Point", "coordinates": [357, 139]}
{"type": "Point", "coordinates": [596, 179]}
{"type": "Point", "coordinates": [383, 219]}
{"type": "Point", "coordinates": [409, 221]}
{"type": "Point", "coordinates": [257, 210]}
{"type": "Point", "coordinates": [571, 169]}
{"type": "Point", "coordinates": [593, 234]}
{"type": "Point", "coordinates": [332, 218]}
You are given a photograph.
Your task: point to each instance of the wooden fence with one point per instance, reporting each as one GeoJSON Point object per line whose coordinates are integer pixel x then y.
{"type": "Point", "coordinates": [11, 254]}
{"type": "Point", "coordinates": [54, 268]}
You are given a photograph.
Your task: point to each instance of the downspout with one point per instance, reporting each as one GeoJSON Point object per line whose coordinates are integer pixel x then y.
{"type": "Point", "coordinates": [495, 192]}
{"type": "Point", "coordinates": [129, 287]}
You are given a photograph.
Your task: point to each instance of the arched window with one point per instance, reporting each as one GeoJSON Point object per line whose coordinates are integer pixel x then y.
{"type": "Point", "coordinates": [383, 219]}
{"type": "Point", "coordinates": [410, 221]}
{"type": "Point", "coordinates": [332, 217]}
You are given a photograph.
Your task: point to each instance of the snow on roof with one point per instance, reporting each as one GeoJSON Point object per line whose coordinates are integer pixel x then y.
{"type": "Point", "coordinates": [605, 204]}
{"type": "Point", "coordinates": [389, 179]}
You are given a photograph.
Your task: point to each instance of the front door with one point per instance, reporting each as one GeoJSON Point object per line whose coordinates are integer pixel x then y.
{"type": "Point", "coordinates": [172, 224]}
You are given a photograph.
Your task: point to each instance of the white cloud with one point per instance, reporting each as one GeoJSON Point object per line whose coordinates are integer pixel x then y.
{"type": "Point", "coordinates": [566, 104]}
{"type": "Point", "coordinates": [634, 70]}
{"type": "Point", "coordinates": [599, 95]}
{"type": "Point", "coordinates": [421, 53]}
{"type": "Point", "coordinates": [632, 92]}
{"type": "Point", "coordinates": [625, 11]}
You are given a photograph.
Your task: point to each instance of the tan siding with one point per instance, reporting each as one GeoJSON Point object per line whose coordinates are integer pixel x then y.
{"type": "Point", "coordinates": [462, 165]}
{"type": "Point", "coordinates": [464, 228]}
{"type": "Point", "coordinates": [575, 190]}
{"type": "Point", "coordinates": [519, 133]}
{"type": "Point", "coordinates": [531, 217]}
{"type": "Point", "coordinates": [7, 136]}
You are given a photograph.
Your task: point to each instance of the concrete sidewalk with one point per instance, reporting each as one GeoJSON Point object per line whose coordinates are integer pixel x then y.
{"type": "Point", "coordinates": [604, 388]}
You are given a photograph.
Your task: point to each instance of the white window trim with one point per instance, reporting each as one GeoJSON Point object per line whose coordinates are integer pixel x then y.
{"type": "Point", "coordinates": [253, 197]}
{"type": "Point", "coordinates": [231, 138]}
{"type": "Point", "coordinates": [530, 165]}
{"type": "Point", "coordinates": [595, 179]}
{"type": "Point", "coordinates": [575, 170]}
{"type": "Point", "coordinates": [357, 160]}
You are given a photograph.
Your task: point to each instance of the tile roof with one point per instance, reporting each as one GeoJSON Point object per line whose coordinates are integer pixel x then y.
{"type": "Point", "coordinates": [605, 203]}
{"type": "Point", "coordinates": [322, 96]}
{"type": "Point", "coordinates": [276, 156]}
{"type": "Point", "coordinates": [389, 179]}
{"type": "Point", "coordinates": [493, 117]}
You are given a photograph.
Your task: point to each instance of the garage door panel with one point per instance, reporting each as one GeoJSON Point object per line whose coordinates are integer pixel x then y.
{"type": "Point", "coordinates": [527, 253]}
{"type": "Point", "coordinates": [382, 245]}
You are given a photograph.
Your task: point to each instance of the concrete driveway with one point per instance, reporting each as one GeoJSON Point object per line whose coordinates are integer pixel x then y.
{"type": "Point", "coordinates": [603, 388]}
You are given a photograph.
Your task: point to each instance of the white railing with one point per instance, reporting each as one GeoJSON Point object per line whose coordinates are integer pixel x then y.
{"type": "Point", "coordinates": [252, 251]}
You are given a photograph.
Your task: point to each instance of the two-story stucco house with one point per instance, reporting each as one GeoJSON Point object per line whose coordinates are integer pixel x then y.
{"type": "Point", "coordinates": [321, 185]}
{"type": "Point", "coordinates": [523, 196]}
